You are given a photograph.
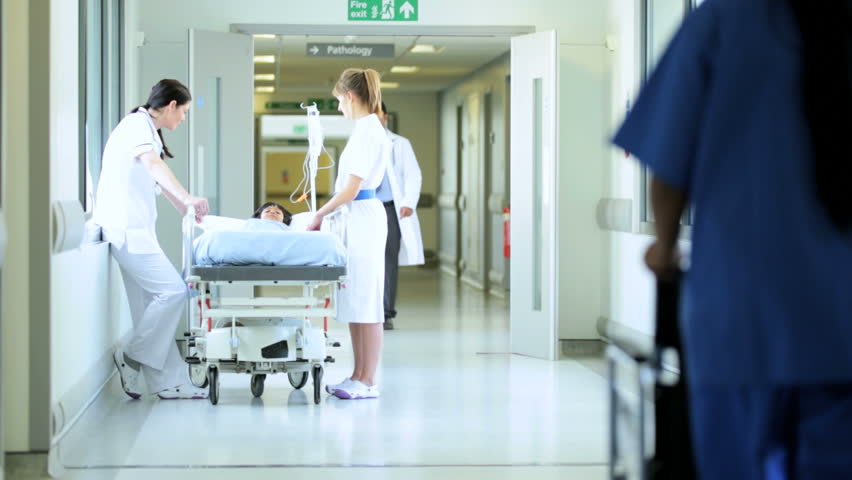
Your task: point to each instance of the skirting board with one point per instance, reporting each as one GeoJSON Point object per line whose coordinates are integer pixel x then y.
{"type": "Point", "coordinates": [68, 410]}
{"type": "Point", "coordinates": [495, 284]}
{"type": "Point", "coordinates": [472, 282]}
{"type": "Point", "coordinates": [449, 270]}
{"type": "Point", "coordinates": [572, 348]}
{"type": "Point", "coordinates": [448, 264]}
{"type": "Point", "coordinates": [635, 340]}
{"type": "Point", "coordinates": [25, 465]}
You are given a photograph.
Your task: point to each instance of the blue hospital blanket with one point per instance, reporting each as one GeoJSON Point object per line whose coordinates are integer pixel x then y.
{"type": "Point", "coordinates": [268, 248]}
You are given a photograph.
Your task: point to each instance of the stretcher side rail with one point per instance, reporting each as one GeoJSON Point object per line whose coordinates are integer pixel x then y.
{"type": "Point", "coordinates": [259, 273]}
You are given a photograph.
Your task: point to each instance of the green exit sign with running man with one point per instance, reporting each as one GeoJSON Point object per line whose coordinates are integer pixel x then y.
{"type": "Point", "coordinates": [383, 10]}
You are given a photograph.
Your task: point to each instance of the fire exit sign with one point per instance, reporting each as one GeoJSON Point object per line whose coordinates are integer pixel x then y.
{"type": "Point", "coordinates": [383, 10]}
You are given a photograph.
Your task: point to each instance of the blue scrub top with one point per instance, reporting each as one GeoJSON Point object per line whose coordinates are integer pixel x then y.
{"type": "Point", "coordinates": [768, 298]}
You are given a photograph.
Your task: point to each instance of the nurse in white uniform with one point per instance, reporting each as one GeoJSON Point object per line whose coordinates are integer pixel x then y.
{"type": "Point", "coordinates": [134, 172]}
{"type": "Point", "coordinates": [361, 169]}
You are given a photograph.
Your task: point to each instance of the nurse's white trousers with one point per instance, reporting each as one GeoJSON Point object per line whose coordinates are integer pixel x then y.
{"type": "Point", "coordinates": [156, 295]}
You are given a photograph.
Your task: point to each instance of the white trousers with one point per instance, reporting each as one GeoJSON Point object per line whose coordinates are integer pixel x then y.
{"type": "Point", "coordinates": [156, 295]}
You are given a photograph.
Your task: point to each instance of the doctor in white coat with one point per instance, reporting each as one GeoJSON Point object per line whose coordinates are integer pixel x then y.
{"type": "Point", "coordinates": [133, 173]}
{"type": "Point", "coordinates": [400, 192]}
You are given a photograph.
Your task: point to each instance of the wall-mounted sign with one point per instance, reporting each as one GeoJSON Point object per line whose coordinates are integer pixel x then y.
{"type": "Point", "coordinates": [323, 105]}
{"type": "Point", "coordinates": [383, 10]}
{"type": "Point", "coordinates": [363, 50]}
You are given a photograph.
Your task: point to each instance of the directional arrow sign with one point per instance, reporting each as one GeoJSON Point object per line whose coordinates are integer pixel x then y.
{"type": "Point", "coordinates": [361, 50]}
{"type": "Point", "coordinates": [383, 10]}
{"type": "Point", "coordinates": [406, 9]}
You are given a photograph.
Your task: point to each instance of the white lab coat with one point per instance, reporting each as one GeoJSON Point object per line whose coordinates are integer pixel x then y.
{"type": "Point", "coordinates": [405, 180]}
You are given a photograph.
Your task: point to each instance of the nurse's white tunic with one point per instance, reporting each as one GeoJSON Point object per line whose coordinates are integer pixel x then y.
{"type": "Point", "coordinates": [126, 210]}
{"type": "Point", "coordinates": [365, 156]}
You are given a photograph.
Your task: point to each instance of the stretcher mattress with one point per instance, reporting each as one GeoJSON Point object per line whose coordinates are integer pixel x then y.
{"type": "Point", "coordinates": [272, 248]}
{"type": "Point", "coordinates": [264, 273]}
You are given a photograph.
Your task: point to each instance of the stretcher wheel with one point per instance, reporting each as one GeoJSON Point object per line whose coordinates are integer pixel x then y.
{"type": "Point", "coordinates": [257, 382]}
{"type": "Point", "coordinates": [198, 376]}
{"type": "Point", "coordinates": [298, 379]}
{"type": "Point", "coordinates": [317, 373]}
{"type": "Point", "coordinates": [213, 380]}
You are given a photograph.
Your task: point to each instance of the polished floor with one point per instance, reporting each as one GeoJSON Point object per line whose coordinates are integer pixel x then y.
{"type": "Point", "coordinates": [454, 404]}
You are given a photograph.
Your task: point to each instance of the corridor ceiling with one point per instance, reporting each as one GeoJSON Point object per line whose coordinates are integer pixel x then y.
{"type": "Point", "coordinates": [296, 70]}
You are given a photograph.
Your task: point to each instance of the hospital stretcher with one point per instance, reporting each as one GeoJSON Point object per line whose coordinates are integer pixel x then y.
{"type": "Point", "coordinates": [259, 336]}
{"type": "Point", "coordinates": [648, 409]}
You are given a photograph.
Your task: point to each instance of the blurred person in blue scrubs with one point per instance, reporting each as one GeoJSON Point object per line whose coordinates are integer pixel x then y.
{"type": "Point", "coordinates": [746, 117]}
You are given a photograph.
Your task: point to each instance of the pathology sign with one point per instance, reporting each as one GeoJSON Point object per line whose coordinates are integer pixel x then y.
{"type": "Point", "coordinates": [383, 10]}
{"type": "Point", "coordinates": [362, 50]}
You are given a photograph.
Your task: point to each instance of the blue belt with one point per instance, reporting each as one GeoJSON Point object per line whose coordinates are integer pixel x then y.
{"type": "Point", "coordinates": [366, 194]}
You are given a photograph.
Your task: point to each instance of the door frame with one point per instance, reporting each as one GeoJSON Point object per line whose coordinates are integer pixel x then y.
{"type": "Point", "coordinates": [534, 309]}
{"type": "Point", "coordinates": [384, 30]}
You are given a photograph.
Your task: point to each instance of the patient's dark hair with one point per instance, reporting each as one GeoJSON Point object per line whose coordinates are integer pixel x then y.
{"type": "Point", "coordinates": [288, 217]}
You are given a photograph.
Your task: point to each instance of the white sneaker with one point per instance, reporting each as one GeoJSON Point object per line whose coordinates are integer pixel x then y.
{"type": "Point", "coordinates": [332, 388]}
{"type": "Point", "coordinates": [357, 390]}
{"type": "Point", "coordinates": [183, 392]}
{"type": "Point", "coordinates": [129, 376]}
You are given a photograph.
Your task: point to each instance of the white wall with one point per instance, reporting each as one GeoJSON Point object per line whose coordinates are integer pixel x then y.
{"type": "Point", "coordinates": [15, 271]}
{"type": "Point", "coordinates": [578, 21]}
{"type": "Point", "coordinates": [584, 71]}
{"type": "Point", "coordinates": [88, 315]}
{"type": "Point", "coordinates": [631, 296]}
{"type": "Point", "coordinates": [3, 156]}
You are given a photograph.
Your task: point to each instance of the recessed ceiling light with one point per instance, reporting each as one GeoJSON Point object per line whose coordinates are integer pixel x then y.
{"type": "Point", "coordinates": [404, 69]}
{"type": "Point", "coordinates": [424, 48]}
{"type": "Point", "coordinates": [264, 76]}
{"type": "Point", "coordinates": [264, 59]}
{"type": "Point", "coordinates": [389, 84]}
{"type": "Point", "coordinates": [263, 35]}
{"type": "Point", "coordinates": [264, 89]}
{"type": "Point", "coordinates": [349, 38]}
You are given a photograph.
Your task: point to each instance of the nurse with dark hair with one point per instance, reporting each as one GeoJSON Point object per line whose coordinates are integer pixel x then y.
{"type": "Point", "coordinates": [134, 173]}
{"type": "Point", "coordinates": [746, 118]}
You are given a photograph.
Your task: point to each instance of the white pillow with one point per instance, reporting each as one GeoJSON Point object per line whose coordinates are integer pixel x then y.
{"type": "Point", "coordinates": [300, 221]}
{"type": "Point", "coordinates": [261, 225]}
{"type": "Point", "coordinates": [213, 223]}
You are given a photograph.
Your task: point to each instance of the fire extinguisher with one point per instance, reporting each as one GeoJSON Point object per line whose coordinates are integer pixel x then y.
{"type": "Point", "coordinates": [506, 232]}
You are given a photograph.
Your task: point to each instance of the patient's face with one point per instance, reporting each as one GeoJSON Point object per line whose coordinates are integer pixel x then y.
{"type": "Point", "coordinates": [272, 213]}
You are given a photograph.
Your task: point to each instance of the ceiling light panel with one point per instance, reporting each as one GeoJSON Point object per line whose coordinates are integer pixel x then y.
{"type": "Point", "coordinates": [404, 69]}
{"type": "Point", "coordinates": [424, 48]}
{"type": "Point", "coordinates": [389, 84]}
{"type": "Point", "coordinates": [264, 59]}
{"type": "Point", "coordinates": [264, 76]}
{"type": "Point", "coordinates": [264, 89]}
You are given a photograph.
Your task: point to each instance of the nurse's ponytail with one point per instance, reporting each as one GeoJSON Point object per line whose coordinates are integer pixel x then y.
{"type": "Point", "coordinates": [365, 84]}
{"type": "Point", "coordinates": [162, 95]}
{"type": "Point", "coordinates": [826, 32]}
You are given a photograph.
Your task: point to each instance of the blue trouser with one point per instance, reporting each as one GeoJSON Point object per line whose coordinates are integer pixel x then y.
{"type": "Point", "coordinates": [801, 432]}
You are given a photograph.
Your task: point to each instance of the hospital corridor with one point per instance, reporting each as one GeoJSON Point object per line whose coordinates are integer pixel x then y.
{"type": "Point", "coordinates": [411, 239]}
{"type": "Point", "coordinates": [467, 407]}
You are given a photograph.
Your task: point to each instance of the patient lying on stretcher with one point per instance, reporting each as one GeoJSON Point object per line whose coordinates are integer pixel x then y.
{"type": "Point", "coordinates": [274, 212]}
{"type": "Point", "coordinates": [271, 237]}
